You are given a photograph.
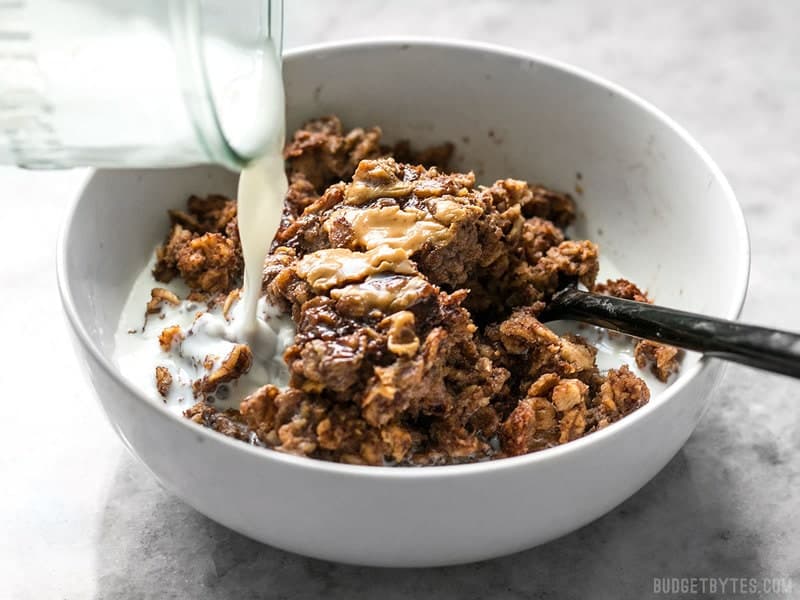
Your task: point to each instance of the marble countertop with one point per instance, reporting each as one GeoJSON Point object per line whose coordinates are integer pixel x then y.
{"type": "Point", "coordinates": [79, 518]}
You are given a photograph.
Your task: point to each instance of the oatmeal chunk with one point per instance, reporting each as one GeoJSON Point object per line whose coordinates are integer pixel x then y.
{"type": "Point", "coordinates": [620, 394]}
{"type": "Point", "coordinates": [538, 236]}
{"type": "Point", "coordinates": [622, 288]}
{"type": "Point", "coordinates": [210, 263]}
{"type": "Point", "coordinates": [202, 247]}
{"type": "Point", "coordinates": [325, 154]}
{"type": "Point", "coordinates": [553, 412]}
{"type": "Point", "coordinates": [488, 240]}
{"type": "Point", "coordinates": [301, 195]}
{"type": "Point", "coordinates": [166, 267]}
{"type": "Point", "coordinates": [568, 260]}
{"type": "Point", "coordinates": [322, 153]}
{"type": "Point", "coordinates": [531, 426]}
{"type": "Point", "coordinates": [530, 347]}
{"type": "Point", "coordinates": [533, 200]}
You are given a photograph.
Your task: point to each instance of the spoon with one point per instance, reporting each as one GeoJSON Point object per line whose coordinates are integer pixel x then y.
{"type": "Point", "coordinates": [761, 347]}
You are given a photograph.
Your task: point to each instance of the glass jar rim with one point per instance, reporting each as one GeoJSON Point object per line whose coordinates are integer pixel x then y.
{"type": "Point", "coordinates": [196, 80]}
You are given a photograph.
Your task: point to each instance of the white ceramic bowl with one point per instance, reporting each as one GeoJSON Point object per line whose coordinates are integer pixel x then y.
{"type": "Point", "coordinates": [656, 203]}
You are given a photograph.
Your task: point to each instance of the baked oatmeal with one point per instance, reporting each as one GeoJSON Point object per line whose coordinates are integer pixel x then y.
{"type": "Point", "coordinates": [413, 293]}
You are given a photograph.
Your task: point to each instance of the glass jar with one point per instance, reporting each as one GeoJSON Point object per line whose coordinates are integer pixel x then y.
{"type": "Point", "coordinates": [132, 83]}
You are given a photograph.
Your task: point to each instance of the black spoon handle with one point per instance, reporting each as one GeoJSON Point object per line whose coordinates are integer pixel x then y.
{"type": "Point", "coordinates": [760, 347]}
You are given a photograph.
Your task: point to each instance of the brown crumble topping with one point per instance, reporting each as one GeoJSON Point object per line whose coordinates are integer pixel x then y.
{"type": "Point", "coordinates": [202, 248]}
{"type": "Point", "coordinates": [232, 297]}
{"type": "Point", "coordinates": [415, 294]}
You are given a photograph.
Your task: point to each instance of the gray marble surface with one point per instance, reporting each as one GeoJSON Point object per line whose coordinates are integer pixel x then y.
{"type": "Point", "coordinates": [79, 518]}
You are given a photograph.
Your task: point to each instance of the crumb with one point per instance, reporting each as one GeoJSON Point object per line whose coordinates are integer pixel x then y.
{"type": "Point", "coordinates": [622, 288]}
{"type": "Point", "coordinates": [158, 296]}
{"type": "Point", "coordinates": [169, 337]}
{"type": "Point", "coordinates": [663, 359]}
{"type": "Point", "coordinates": [163, 381]}
{"type": "Point", "coordinates": [236, 364]}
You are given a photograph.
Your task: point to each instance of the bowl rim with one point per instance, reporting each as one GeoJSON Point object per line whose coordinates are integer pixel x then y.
{"type": "Point", "coordinates": [460, 470]}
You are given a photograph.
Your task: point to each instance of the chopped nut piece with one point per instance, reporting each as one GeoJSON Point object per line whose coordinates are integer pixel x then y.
{"type": "Point", "coordinates": [158, 296]}
{"type": "Point", "coordinates": [544, 385]}
{"type": "Point", "coordinates": [400, 333]}
{"type": "Point", "coordinates": [260, 409]}
{"type": "Point", "coordinates": [569, 393]}
{"type": "Point", "coordinates": [232, 297]}
{"type": "Point", "coordinates": [663, 359]}
{"type": "Point", "coordinates": [163, 380]}
{"type": "Point", "coordinates": [170, 336]}
{"type": "Point", "coordinates": [572, 425]}
{"type": "Point", "coordinates": [236, 364]}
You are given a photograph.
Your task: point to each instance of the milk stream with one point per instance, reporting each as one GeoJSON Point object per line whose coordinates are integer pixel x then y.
{"type": "Point", "coordinates": [262, 188]}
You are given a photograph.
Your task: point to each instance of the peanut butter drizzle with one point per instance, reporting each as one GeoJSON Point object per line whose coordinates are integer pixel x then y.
{"type": "Point", "coordinates": [389, 235]}
{"type": "Point", "coordinates": [334, 267]}
{"type": "Point", "coordinates": [384, 292]}
{"type": "Point", "coordinates": [392, 226]}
